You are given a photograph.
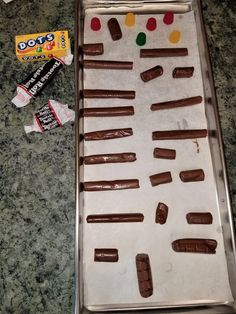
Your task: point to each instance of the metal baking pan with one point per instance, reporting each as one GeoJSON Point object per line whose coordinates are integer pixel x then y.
{"type": "Point", "coordinates": [216, 148]}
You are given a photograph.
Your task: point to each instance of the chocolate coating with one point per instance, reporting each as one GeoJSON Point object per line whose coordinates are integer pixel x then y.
{"type": "Point", "coordinates": [177, 103]}
{"type": "Point", "coordinates": [164, 153]}
{"type": "Point", "coordinates": [93, 186]}
{"type": "Point", "coordinates": [107, 134]}
{"type": "Point", "coordinates": [163, 52]}
{"type": "Point", "coordinates": [109, 158]}
{"type": "Point", "coordinates": [104, 93]}
{"type": "Point", "coordinates": [161, 213]}
{"type": "Point", "coordinates": [93, 49]}
{"type": "Point", "coordinates": [207, 246]}
{"type": "Point", "coordinates": [102, 64]}
{"type": "Point", "coordinates": [115, 218]}
{"type": "Point", "coordinates": [199, 218]}
{"type": "Point", "coordinates": [114, 28]}
{"type": "Point", "coordinates": [161, 178]}
{"type": "Point", "coordinates": [107, 112]}
{"type": "Point", "coordinates": [151, 73]}
{"type": "Point", "coordinates": [106, 255]}
{"type": "Point", "coordinates": [192, 175]}
{"type": "Point", "coordinates": [179, 134]}
{"type": "Point", "coordinates": [184, 72]}
{"type": "Point", "coordinates": [144, 275]}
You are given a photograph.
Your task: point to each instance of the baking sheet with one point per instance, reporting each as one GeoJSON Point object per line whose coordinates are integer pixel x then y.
{"type": "Point", "coordinates": [177, 278]}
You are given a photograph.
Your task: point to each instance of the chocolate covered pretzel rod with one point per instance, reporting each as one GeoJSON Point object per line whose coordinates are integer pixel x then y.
{"type": "Point", "coordinates": [114, 29]}
{"type": "Point", "coordinates": [106, 255]}
{"type": "Point", "coordinates": [184, 72]}
{"type": "Point", "coordinates": [105, 93]}
{"type": "Point", "coordinates": [179, 134]}
{"type": "Point", "coordinates": [107, 134]}
{"type": "Point", "coordinates": [144, 275]}
{"type": "Point", "coordinates": [161, 213]}
{"type": "Point", "coordinates": [163, 52]}
{"type": "Point", "coordinates": [207, 246]}
{"type": "Point", "coordinates": [91, 186]}
{"type": "Point", "coordinates": [161, 178]}
{"type": "Point", "coordinates": [152, 73]}
{"type": "Point", "coordinates": [93, 49]}
{"type": "Point", "coordinates": [199, 218]}
{"type": "Point", "coordinates": [107, 112]}
{"type": "Point", "coordinates": [103, 64]}
{"type": "Point", "coordinates": [192, 175]}
{"type": "Point", "coordinates": [115, 218]}
{"type": "Point", "coordinates": [164, 153]}
{"type": "Point", "coordinates": [109, 158]}
{"type": "Point", "coordinates": [177, 103]}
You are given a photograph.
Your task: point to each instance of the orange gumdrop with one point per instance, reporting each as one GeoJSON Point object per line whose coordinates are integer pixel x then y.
{"type": "Point", "coordinates": [174, 37]}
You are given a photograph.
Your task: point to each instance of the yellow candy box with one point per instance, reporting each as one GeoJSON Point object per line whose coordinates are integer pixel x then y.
{"type": "Point", "coordinates": [42, 46]}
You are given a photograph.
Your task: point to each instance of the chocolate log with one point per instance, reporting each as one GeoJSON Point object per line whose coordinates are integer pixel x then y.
{"type": "Point", "coordinates": [161, 178]}
{"type": "Point", "coordinates": [106, 255]}
{"type": "Point", "coordinates": [107, 112]}
{"type": "Point", "coordinates": [104, 93]}
{"type": "Point", "coordinates": [179, 134]}
{"type": "Point", "coordinates": [199, 218]}
{"type": "Point", "coordinates": [151, 73]}
{"type": "Point", "coordinates": [144, 275]}
{"type": "Point", "coordinates": [184, 72]}
{"type": "Point", "coordinates": [164, 153]}
{"type": "Point", "coordinates": [163, 52]}
{"type": "Point", "coordinates": [93, 186]}
{"type": "Point", "coordinates": [116, 218]}
{"type": "Point", "coordinates": [195, 246]}
{"type": "Point", "coordinates": [102, 64]}
{"type": "Point", "coordinates": [192, 175]}
{"type": "Point", "coordinates": [107, 134]}
{"type": "Point", "coordinates": [109, 158]}
{"type": "Point", "coordinates": [177, 103]}
{"type": "Point", "coordinates": [93, 49]}
{"type": "Point", "coordinates": [161, 213]}
{"type": "Point", "coordinates": [114, 28]}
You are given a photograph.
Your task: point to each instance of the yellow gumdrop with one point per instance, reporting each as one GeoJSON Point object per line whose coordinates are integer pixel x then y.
{"type": "Point", "coordinates": [130, 19]}
{"type": "Point", "coordinates": [174, 37]}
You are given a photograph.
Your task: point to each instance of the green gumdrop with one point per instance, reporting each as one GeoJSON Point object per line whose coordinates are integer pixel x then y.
{"type": "Point", "coordinates": [141, 39]}
{"type": "Point", "coordinates": [39, 49]}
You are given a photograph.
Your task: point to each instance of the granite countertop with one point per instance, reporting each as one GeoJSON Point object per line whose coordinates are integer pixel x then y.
{"type": "Point", "coordinates": [37, 194]}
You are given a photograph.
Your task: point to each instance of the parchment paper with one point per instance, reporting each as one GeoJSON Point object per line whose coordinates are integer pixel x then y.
{"type": "Point", "coordinates": [178, 278]}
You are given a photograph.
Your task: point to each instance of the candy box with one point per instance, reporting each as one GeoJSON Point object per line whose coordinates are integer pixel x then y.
{"type": "Point", "coordinates": [42, 46]}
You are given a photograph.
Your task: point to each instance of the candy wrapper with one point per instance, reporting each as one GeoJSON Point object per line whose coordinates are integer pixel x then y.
{"type": "Point", "coordinates": [50, 116]}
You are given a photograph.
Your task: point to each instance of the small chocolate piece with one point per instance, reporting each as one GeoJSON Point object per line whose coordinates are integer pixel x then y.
{"type": "Point", "coordinates": [199, 218]}
{"type": "Point", "coordinates": [105, 93]}
{"type": "Point", "coordinates": [106, 255]}
{"type": "Point", "coordinates": [192, 175]}
{"type": "Point", "coordinates": [107, 112]}
{"type": "Point", "coordinates": [179, 134]}
{"type": "Point", "coordinates": [163, 52]}
{"type": "Point", "coordinates": [144, 275]}
{"type": "Point", "coordinates": [161, 178]}
{"type": "Point", "coordinates": [195, 245]}
{"type": "Point", "coordinates": [177, 103]}
{"type": "Point", "coordinates": [102, 64]}
{"type": "Point", "coordinates": [93, 186]}
{"type": "Point", "coordinates": [114, 28]}
{"type": "Point", "coordinates": [107, 134]}
{"type": "Point", "coordinates": [164, 153]}
{"type": "Point", "coordinates": [115, 218]}
{"type": "Point", "coordinates": [184, 72]}
{"type": "Point", "coordinates": [109, 158]}
{"type": "Point", "coordinates": [161, 213]}
{"type": "Point", "coordinates": [151, 73]}
{"type": "Point", "coordinates": [93, 49]}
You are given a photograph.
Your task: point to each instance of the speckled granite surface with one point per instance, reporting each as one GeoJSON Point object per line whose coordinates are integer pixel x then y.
{"type": "Point", "coordinates": [37, 207]}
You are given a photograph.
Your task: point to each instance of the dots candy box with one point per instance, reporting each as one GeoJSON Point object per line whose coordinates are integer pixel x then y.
{"type": "Point", "coordinates": [42, 46]}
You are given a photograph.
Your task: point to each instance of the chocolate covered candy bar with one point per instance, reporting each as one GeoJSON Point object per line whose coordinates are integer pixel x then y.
{"type": "Point", "coordinates": [177, 103]}
{"type": "Point", "coordinates": [114, 29]}
{"type": "Point", "coordinates": [104, 93]}
{"type": "Point", "coordinates": [115, 218]}
{"type": "Point", "coordinates": [192, 175]}
{"type": "Point", "coordinates": [179, 134]}
{"type": "Point", "coordinates": [199, 218]}
{"type": "Point", "coordinates": [107, 134]}
{"type": "Point", "coordinates": [102, 64]}
{"type": "Point", "coordinates": [93, 49]}
{"type": "Point", "coordinates": [151, 73]}
{"type": "Point", "coordinates": [161, 213]}
{"type": "Point", "coordinates": [161, 178]}
{"type": "Point", "coordinates": [106, 255]}
{"type": "Point", "coordinates": [163, 52]}
{"type": "Point", "coordinates": [93, 186]}
{"type": "Point", "coordinates": [164, 153]}
{"type": "Point", "coordinates": [184, 72]}
{"type": "Point", "coordinates": [144, 275]}
{"type": "Point", "coordinates": [107, 112]}
{"type": "Point", "coordinates": [207, 246]}
{"type": "Point", "coordinates": [109, 158]}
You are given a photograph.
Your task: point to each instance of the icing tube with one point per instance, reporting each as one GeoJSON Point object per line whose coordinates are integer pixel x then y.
{"type": "Point", "coordinates": [50, 116]}
{"type": "Point", "coordinates": [38, 79]}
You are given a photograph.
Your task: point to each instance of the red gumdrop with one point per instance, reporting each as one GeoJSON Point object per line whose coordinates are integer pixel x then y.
{"type": "Point", "coordinates": [151, 24]}
{"type": "Point", "coordinates": [168, 18]}
{"type": "Point", "coordinates": [95, 24]}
